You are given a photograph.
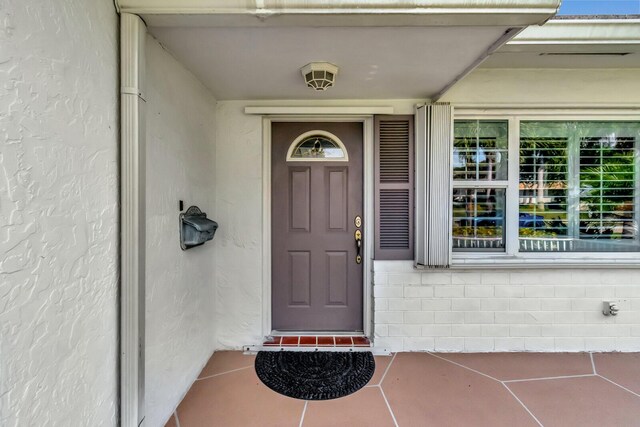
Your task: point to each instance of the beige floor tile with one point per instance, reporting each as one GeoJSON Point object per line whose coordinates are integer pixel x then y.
{"type": "Point", "coordinates": [585, 401]}
{"type": "Point", "coordinates": [364, 408]}
{"type": "Point", "coordinates": [621, 368]}
{"type": "Point", "coordinates": [424, 390]}
{"type": "Point", "coordinates": [224, 361]}
{"type": "Point", "coordinates": [381, 365]}
{"type": "Point", "coordinates": [237, 399]}
{"type": "Point", "coordinates": [516, 366]}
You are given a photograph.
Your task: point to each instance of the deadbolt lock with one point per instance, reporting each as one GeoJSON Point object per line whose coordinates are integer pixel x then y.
{"type": "Point", "coordinates": [358, 221]}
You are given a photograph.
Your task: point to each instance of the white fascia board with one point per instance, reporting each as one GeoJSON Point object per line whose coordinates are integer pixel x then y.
{"type": "Point", "coordinates": [581, 31]}
{"type": "Point", "coordinates": [427, 12]}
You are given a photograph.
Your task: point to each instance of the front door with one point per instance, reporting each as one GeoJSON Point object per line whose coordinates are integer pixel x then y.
{"type": "Point", "coordinates": [316, 188]}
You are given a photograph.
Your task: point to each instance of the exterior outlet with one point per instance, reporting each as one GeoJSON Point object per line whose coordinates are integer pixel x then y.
{"type": "Point", "coordinates": [609, 308]}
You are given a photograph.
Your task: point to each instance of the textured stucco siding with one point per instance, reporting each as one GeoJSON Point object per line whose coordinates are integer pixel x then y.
{"type": "Point", "coordinates": [180, 329]}
{"type": "Point", "coordinates": [58, 213]}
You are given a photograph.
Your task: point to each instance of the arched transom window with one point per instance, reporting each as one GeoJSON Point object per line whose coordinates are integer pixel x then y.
{"type": "Point", "coordinates": [317, 145]}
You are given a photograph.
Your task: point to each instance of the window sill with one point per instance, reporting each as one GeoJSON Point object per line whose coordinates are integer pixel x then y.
{"type": "Point", "coordinates": [551, 260]}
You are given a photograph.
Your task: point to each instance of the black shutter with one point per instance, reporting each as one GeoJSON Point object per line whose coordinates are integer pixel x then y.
{"type": "Point", "coordinates": [394, 187]}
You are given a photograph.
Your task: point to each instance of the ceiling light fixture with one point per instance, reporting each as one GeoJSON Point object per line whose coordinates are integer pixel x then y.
{"type": "Point", "coordinates": [319, 75]}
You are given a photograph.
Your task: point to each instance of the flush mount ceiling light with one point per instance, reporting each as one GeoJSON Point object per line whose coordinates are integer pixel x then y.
{"type": "Point", "coordinates": [319, 75]}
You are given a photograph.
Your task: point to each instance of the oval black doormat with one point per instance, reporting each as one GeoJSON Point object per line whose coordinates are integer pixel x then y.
{"type": "Point", "coordinates": [320, 375]}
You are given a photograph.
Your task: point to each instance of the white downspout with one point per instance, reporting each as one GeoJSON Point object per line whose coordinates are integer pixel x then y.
{"type": "Point", "coordinates": [132, 219]}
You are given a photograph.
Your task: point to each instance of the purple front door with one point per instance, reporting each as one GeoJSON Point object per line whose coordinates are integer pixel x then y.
{"type": "Point", "coordinates": [316, 214]}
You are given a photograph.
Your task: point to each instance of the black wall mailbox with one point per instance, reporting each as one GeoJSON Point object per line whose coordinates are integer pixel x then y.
{"type": "Point", "coordinates": [195, 228]}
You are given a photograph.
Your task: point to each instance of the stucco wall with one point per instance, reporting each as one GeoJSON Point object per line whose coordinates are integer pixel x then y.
{"type": "Point", "coordinates": [180, 327]}
{"type": "Point", "coordinates": [58, 213]}
{"type": "Point", "coordinates": [547, 88]}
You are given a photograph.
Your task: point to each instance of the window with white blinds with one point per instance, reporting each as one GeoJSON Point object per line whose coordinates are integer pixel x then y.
{"type": "Point", "coordinates": [577, 187]}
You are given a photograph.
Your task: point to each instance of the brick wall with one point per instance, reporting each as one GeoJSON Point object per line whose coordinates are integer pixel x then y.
{"type": "Point", "coordinates": [505, 309]}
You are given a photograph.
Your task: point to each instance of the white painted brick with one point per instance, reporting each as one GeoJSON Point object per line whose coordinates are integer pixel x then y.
{"type": "Point", "coordinates": [465, 304]}
{"type": "Point", "coordinates": [569, 291]}
{"type": "Point", "coordinates": [418, 291]}
{"type": "Point", "coordinates": [538, 317]}
{"type": "Point", "coordinates": [404, 278]}
{"type": "Point", "coordinates": [436, 330]}
{"type": "Point", "coordinates": [449, 317]}
{"type": "Point", "coordinates": [391, 343]}
{"type": "Point", "coordinates": [586, 331]}
{"type": "Point", "coordinates": [479, 317]}
{"type": "Point", "coordinates": [449, 344]}
{"type": "Point", "coordinates": [628, 317]}
{"type": "Point", "coordinates": [476, 291]}
{"type": "Point", "coordinates": [380, 278]}
{"type": "Point", "coordinates": [555, 330]}
{"type": "Point", "coordinates": [418, 344]}
{"type": "Point", "coordinates": [569, 344]}
{"type": "Point", "coordinates": [524, 304]}
{"type": "Point", "coordinates": [495, 330]}
{"type": "Point", "coordinates": [494, 278]}
{"type": "Point", "coordinates": [449, 291]}
{"type": "Point", "coordinates": [405, 330]}
{"type": "Point", "coordinates": [600, 344]}
{"type": "Point", "coordinates": [433, 278]}
{"type": "Point", "coordinates": [466, 330]}
{"type": "Point", "coordinates": [539, 344]}
{"type": "Point", "coordinates": [524, 330]}
{"type": "Point", "coordinates": [539, 291]}
{"type": "Point", "coordinates": [586, 277]}
{"type": "Point", "coordinates": [597, 317]}
{"type": "Point", "coordinates": [557, 304]}
{"type": "Point", "coordinates": [389, 317]}
{"type": "Point", "coordinates": [436, 304]}
{"type": "Point", "coordinates": [628, 291]}
{"type": "Point", "coordinates": [561, 317]}
{"type": "Point", "coordinates": [584, 304]}
{"type": "Point", "coordinates": [509, 344]}
{"type": "Point", "coordinates": [494, 304]}
{"type": "Point", "coordinates": [479, 344]}
{"type": "Point", "coordinates": [628, 344]}
{"type": "Point", "coordinates": [393, 266]}
{"type": "Point", "coordinates": [381, 331]}
{"type": "Point", "coordinates": [635, 331]}
{"type": "Point", "coordinates": [465, 278]}
{"type": "Point", "coordinates": [598, 291]}
{"type": "Point", "coordinates": [509, 317]}
{"type": "Point", "coordinates": [388, 291]}
{"type": "Point", "coordinates": [418, 317]}
{"type": "Point", "coordinates": [509, 291]}
{"type": "Point", "coordinates": [404, 304]}
{"type": "Point", "coordinates": [616, 330]}
{"type": "Point", "coordinates": [381, 304]}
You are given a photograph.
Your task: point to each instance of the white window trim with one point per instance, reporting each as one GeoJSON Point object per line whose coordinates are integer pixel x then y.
{"type": "Point", "coordinates": [511, 257]}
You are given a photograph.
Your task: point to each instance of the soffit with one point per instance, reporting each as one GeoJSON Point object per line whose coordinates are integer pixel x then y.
{"type": "Point", "coordinates": [577, 43]}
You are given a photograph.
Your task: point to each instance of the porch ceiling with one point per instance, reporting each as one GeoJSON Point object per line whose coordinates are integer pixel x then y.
{"type": "Point", "coordinates": [375, 62]}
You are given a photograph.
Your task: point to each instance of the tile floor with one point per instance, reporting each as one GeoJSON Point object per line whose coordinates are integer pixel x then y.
{"type": "Point", "coordinates": [425, 389]}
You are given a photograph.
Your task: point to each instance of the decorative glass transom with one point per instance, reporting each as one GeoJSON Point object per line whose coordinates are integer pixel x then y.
{"type": "Point", "coordinates": [317, 146]}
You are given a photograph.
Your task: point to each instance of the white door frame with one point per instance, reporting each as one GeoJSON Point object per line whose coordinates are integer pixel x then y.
{"type": "Point", "coordinates": [368, 182]}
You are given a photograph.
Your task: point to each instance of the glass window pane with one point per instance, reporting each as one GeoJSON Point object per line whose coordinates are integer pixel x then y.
{"type": "Point", "coordinates": [579, 187]}
{"type": "Point", "coordinates": [318, 147]}
{"type": "Point", "coordinates": [480, 150]}
{"type": "Point", "coordinates": [478, 219]}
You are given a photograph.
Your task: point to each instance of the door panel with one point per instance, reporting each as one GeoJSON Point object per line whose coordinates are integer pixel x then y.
{"type": "Point", "coordinates": [316, 282]}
